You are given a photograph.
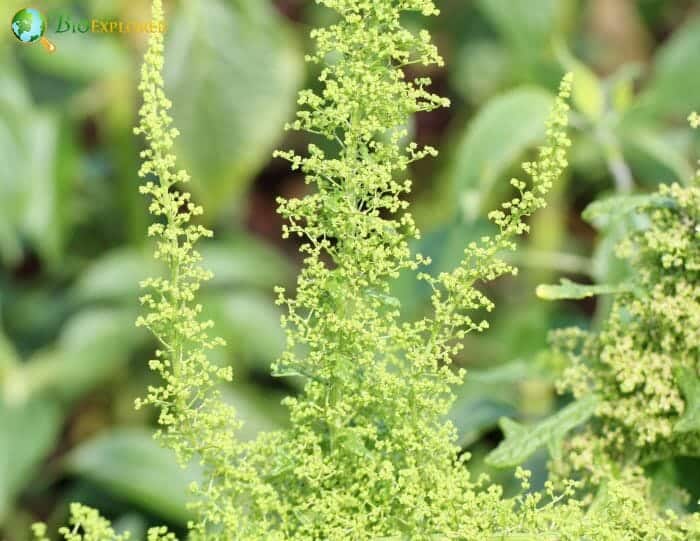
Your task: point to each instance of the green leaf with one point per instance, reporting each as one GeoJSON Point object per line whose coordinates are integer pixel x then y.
{"type": "Point", "coordinates": [232, 73]}
{"type": "Point", "coordinates": [689, 383]}
{"type": "Point", "coordinates": [387, 300]}
{"type": "Point", "coordinates": [260, 408]}
{"type": "Point", "coordinates": [528, 31]}
{"type": "Point", "coordinates": [571, 290]}
{"type": "Point", "coordinates": [241, 261]}
{"type": "Point", "coordinates": [8, 356]}
{"type": "Point", "coordinates": [520, 441]}
{"type": "Point", "coordinates": [472, 417]}
{"type": "Point", "coordinates": [130, 464]}
{"type": "Point", "coordinates": [604, 212]}
{"type": "Point", "coordinates": [13, 91]}
{"type": "Point", "coordinates": [521, 24]}
{"type": "Point", "coordinates": [81, 57]}
{"type": "Point", "coordinates": [587, 91]}
{"type": "Point", "coordinates": [660, 150]}
{"type": "Point", "coordinates": [665, 490]}
{"type": "Point", "coordinates": [606, 267]}
{"type": "Point", "coordinates": [481, 69]}
{"type": "Point", "coordinates": [21, 451]}
{"type": "Point", "coordinates": [495, 139]}
{"type": "Point", "coordinates": [115, 276]}
{"type": "Point", "coordinates": [250, 322]}
{"type": "Point", "coordinates": [486, 396]}
{"type": "Point", "coordinates": [673, 87]}
{"type": "Point", "coordinates": [245, 260]}
{"type": "Point", "coordinates": [90, 348]}
{"type": "Point", "coordinates": [622, 94]}
{"type": "Point", "coordinates": [30, 201]}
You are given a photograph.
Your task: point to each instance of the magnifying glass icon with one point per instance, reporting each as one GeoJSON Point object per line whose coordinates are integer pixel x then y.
{"type": "Point", "coordinates": [29, 26]}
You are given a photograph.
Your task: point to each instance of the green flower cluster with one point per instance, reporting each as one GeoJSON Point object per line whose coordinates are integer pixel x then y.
{"type": "Point", "coordinates": [87, 525]}
{"type": "Point", "coordinates": [369, 454]}
{"type": "Point", "coordinates": [644, 363]}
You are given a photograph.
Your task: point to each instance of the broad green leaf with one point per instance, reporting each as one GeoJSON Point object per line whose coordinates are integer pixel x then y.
{"type": "Point", "coordinates": [606, 267]}
{"type": "Point", "coordinates": [260, 409]}
{"type": "Point", "coordinates": [481, 69]}
{"type": "Point", "coordinates": [587, 91]}
{"type": "Point", "coordinates": [674, 83]}
{"type": "Point", "coordinates": [245, 260]}
{"type": "Point", "coordinates": [40, 219]}
{"type": "Point", "coordinates": [130, 464]}
{"type": "Point", "coordinates": [622, 95]}
{"type": "Point", "coordinates": [665, 491]}
{"type": "Point", "coordinates": [115, 276]}
{"type": "Point", "coordinates": [81, 57]}
{"type": "Point", "coordinates": [528, 31]}
{"type": "Point", "coordinates": [522, 441]}
{"type": "Point", "coordinates": [495, 139]}
{"type": "Point", "coordinates": [241, 261]}
{"type": "Point", "coordinates": [35, 172]}
{"type": "Point", "coordinates": [13, 90]}
{"type": "Point", "coordinates": [8, 356]}
{"type": "Point", "coordinates": [604, 212]}
{"type": "Point", "coordinates": [486, 396]}
{"type": "Point", "coordinates": [90, 348]}
{"type": "Point", "coordinates": [508, 373]}
{"type": "Point", "coordinates": [27, 433]}
{"type": "Point", "coordinates": [249, 321]}
{"type": "Point", "coordinates": [29, 187]}
{"type": "Point", "coordinates": [517, 21]}
{"type": "Point", "coordinates": [472, 417]}
{"type": "Point", "coordinates": [660, 150]}
{"type": "Point", "coordinates": [689, 383]}
{"type": "Point", "coordinates": [232, 72]}
{"type": "Point", "coordinates": [571, 290]}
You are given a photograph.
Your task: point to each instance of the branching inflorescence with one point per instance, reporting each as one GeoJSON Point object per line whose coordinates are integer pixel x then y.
{"type": "Point", "coordinates": [644, 362]}
{"type": "Point", "coordinates": [369, 453]}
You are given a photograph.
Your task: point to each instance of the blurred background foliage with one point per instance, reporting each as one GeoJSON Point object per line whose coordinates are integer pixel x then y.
{"type": "Point", "coordinates": [73, 248]}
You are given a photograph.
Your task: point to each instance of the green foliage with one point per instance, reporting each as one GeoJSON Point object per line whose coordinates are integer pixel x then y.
{"type": "Point", "coordinates": [520, 441]}
{"type": "Point", "coordinates": [648, 344]}
{"type": "Point", "coordinates": [136, 468]}
{"type": "Point", "coordinates": [369, 453]}
{"type": "Point", "coordinates": [672, 89]}
{"type": "Point", "coordinates": [229, 128]}
{"type": "Point", "coordinates": [20, 455]}
{"type": "Point", "coordinates": [587, 95]}
{"type": "Point", "coordinates": [570, 290]}
{"type": "Point", "coordinates": [492, 143]}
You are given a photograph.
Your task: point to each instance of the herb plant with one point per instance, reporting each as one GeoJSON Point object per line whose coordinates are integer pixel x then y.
{"type": "Point", "coordinates": [641, 365]}
{"type": "Point", "coordinates": [370, 454]}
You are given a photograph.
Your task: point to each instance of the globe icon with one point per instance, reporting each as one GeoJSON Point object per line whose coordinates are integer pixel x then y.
{"type": "Point", "coordinates": [29, 26]}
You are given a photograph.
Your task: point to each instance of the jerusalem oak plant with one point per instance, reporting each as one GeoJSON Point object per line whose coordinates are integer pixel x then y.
{"type": "Point", "coordinates": [369, 453]}
{"type": "Point", "coordinates": [639, 372]}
